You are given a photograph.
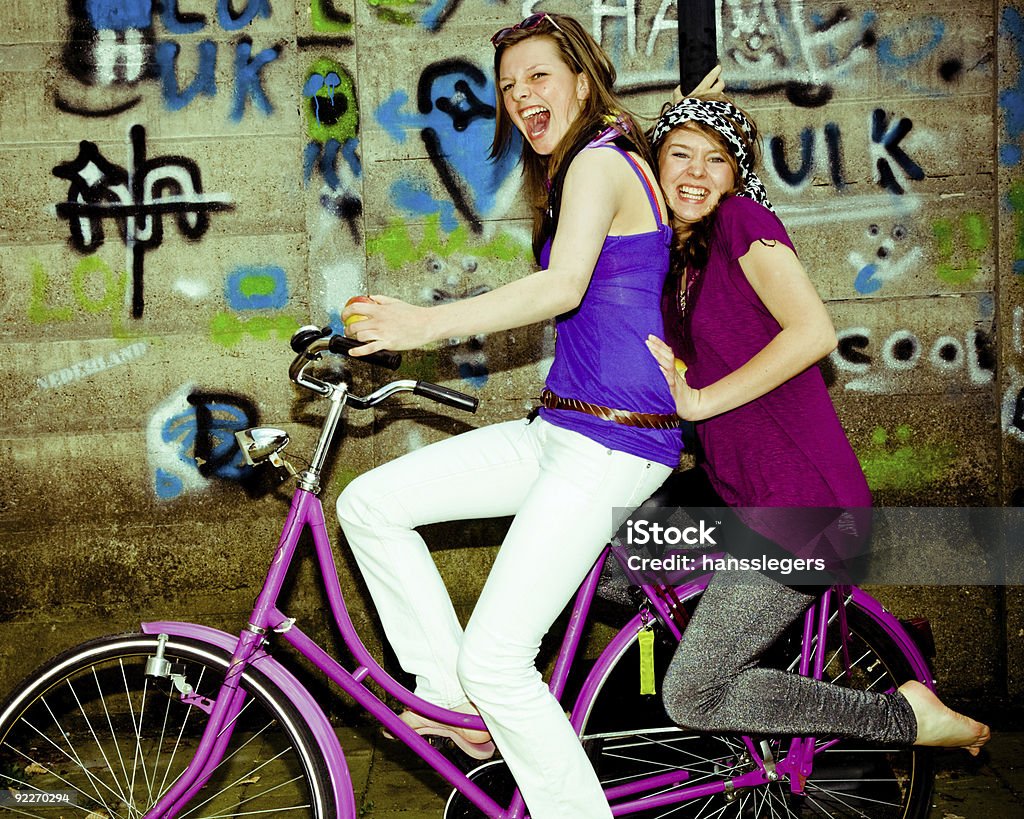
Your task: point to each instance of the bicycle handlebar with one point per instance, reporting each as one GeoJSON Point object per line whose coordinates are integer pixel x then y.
{"type": "Point", "coordinates": [382, 358]}
{"type": "Point", "coordinates": [444, 395]}
{"type": "Point", "coordinates": [310, 342]}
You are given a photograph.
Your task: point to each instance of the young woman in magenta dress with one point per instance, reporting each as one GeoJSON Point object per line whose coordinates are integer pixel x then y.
{"type": "Point", "coordinates": [749, 327]}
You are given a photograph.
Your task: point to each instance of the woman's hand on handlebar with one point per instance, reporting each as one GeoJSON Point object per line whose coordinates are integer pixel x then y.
{"type": "Point", "coordinates": [389, 324]}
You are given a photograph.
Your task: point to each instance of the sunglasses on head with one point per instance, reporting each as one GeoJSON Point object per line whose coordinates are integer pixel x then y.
{"type": "Point", "coordinates": [528, 23]}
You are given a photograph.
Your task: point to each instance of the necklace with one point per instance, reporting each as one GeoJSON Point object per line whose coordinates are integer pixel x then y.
{"type": "Point", "coordinates": [686, 283]}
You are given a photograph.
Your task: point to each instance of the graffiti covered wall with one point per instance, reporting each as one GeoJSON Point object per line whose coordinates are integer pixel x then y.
{"type": "Point", "coordinates": [185, 182]}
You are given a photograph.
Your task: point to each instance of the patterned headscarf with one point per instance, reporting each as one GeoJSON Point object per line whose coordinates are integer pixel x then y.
{"type": "Point", "coordinates": [731, 123]}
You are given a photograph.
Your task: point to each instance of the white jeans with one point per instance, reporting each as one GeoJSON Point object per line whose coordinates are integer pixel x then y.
{"type": "Point", "coordinates": [564, 490]}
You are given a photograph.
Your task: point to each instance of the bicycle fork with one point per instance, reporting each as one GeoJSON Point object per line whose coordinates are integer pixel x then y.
{"type": "Point", "coordinates": [223, 712]}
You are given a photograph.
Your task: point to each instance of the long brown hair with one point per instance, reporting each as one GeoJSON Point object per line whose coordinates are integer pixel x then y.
{"type": "Point", "coordinates": [601, 108]}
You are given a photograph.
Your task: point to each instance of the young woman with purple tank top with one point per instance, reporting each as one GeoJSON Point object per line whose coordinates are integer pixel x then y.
{"type": "Point", "coordinates": [606, 437]}
{"type": "Point", "coordinates": [745, 320]}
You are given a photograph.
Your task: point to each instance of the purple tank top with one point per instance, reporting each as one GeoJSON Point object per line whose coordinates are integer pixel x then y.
{"type": "Point", "coordinates": [600, 355]}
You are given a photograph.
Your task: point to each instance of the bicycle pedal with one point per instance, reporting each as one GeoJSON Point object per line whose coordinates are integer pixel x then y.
{"type": "Point", "coordinates": [463, 761]}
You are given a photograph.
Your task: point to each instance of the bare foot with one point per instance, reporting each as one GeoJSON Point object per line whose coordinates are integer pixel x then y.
{"type": "Point", "coordinates": [941, 726]}
{"type": "Point", "coordinates": [476, 744]}
{"type": "Point", "coordinates": [469, 733]}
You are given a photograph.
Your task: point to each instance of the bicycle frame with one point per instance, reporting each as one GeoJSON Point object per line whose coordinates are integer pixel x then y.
{"type": "Point", "coordinates": [306, 512]}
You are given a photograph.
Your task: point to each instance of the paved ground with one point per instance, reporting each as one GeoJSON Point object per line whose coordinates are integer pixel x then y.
{"type": "Point", "coordinates": [991, 787]}
{"type": "Point", "coordinates": [392, 783]}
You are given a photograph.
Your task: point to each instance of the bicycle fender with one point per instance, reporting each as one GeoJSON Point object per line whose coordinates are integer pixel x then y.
{"type": "Point", "coordinates": [334, 756]}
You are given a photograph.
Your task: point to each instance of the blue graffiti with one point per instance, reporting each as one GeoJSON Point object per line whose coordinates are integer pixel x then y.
{"type": "Point", "coordinates": [180, 24]}
{"type": "Point", "coordinates": [248, 82]}
{"type": "Point", "coordinates": [119, 15]}
{"type": "Point", "coordinates": [890, 140]}
{"type": "Point", "coordinates": [183, 431]}
{"type": "Point", "coordinates": [229, 21]}
{"type": "Point", "coordinates": [865, 282]}
{"type": "Point", "coordinates": [434, 17]}
{"type": "Point", "coordinates": [177, 23]}
{"type": "Point", "coordinates": [168, 485]}
{"type": "Point", "coordinates": [413, 196]}
{"type": "Point", "coordinates": [932, 27]}
{"type": "Point", "coordinates": [317, 81]}
{"type": "Point", "coordinates": [256, 288]}
{"type": "Point", "coordinates": [348, 153]}
{"type": "Point", "coordinates": [204, 82]}
{"type": "Point", "coordinates": [248, 79]}
{"type": "Point", "coordinates": [455, 120]}
{"type": "Point", "coordinates": [325, 159]}
{"type": "Point", "coordinates": [1011, 100]}
{"type": "Point", "coordinates": [203, 439]}
{"type": "Point", "coordinates": [394, 121]}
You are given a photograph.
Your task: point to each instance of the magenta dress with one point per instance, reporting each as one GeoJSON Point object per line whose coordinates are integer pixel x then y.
{"type": "Point", "coordinates": [786, 448]}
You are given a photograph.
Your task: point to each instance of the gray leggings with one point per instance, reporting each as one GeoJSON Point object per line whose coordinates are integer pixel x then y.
{"type": "Point", "coordinates": [714, 683]}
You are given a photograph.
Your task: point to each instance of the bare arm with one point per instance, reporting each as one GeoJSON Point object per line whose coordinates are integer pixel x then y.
{"type": "Point", "coordinates": [592, 197]}
{"type": "Point", "coordinates": [807, 335]}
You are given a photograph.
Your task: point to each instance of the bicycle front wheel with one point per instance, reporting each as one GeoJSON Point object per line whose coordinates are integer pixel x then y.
{"type": "Point", "coordinates": [91, 734]}
{"type": "Point", "coordinates": [629, 738]}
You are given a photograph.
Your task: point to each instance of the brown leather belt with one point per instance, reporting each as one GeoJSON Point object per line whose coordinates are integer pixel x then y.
{"type": "Point", "coordinates": [646, 420]}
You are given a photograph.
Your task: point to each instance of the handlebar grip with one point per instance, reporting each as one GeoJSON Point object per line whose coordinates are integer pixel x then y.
{"type": "Point", "coordinates": [444, 395]}
{"type": "Point", "coordinates": [382, 358]}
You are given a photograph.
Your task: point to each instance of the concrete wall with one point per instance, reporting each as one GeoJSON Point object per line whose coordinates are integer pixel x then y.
{"type": "Point", "coordinates": [308, 150]}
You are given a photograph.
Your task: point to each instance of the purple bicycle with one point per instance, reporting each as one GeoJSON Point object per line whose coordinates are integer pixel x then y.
{"type": "Point", "coordinates": [182, 720]}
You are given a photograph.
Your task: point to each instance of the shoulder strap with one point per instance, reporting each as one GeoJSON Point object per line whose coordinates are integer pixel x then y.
{"type": "Point", "coordinates": [638, 169]}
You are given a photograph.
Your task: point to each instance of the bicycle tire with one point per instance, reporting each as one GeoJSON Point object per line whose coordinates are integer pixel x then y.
{"type": "Point", "coordinates": [629, 736]}
{"type": "Point", "coordinates": [91, 727]}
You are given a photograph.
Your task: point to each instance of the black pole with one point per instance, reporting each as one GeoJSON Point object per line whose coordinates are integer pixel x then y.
{"type": "Point", "coordinates": [698, 45]}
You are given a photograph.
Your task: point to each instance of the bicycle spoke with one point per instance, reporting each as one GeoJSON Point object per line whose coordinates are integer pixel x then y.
{"type": "Point", "coordinates": [849, 780]}
{"type": "Point", "coordinates": [119, 793]}
{"type": "Point", "coordinates": [113, 736]}
{"type": "Point", "coordinates": [164, 786]}
{"type": "Point", "coordinates": [118, 739]}
{"type": "Point", "coordinates": [241, 779]}
{"type": "Point", "coordinates": [47, 770]}
{"type": "Point", "coordinates": [73, 755]}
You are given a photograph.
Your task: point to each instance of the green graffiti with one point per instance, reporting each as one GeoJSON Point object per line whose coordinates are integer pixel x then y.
{"type": "Point", "coordinates": [327, 19]}
{"type": "Point", "coordinates": [257, 285]}
{"type": "Point", "coordinates": [340, 478]}
{"type": "Point", "coordinates": [90, 276]}
{"type": "Point", "coordinates": [1016, 199]}
{"type": "Point", "coordinates": [391, 10]}
{"type": "Point", "coordinates": [39, 309]}
{"type": "Point", "coordinates": [228, 330]}
{"type": "Point", "coordinates": [333, 111]}
{"type": "Point", "coordinates": [976, 236]}
{"type": "Point", "coordinates": [399, 249]}
{"type": "Point", "coordinates": [112, 285]}
{"type": "Point", "coordinates": [901, 463]}
{"type": "Point", "coordinates": [421, 365]}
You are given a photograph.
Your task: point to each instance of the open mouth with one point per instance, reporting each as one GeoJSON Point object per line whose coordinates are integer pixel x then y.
{"type": "Point", "coordinates": [696, 196]}
{"type": "Point", "coordinates": [535, 120]}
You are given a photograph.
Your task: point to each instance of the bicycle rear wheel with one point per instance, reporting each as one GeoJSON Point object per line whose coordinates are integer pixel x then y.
{"type": "Point", "coordinates": [629, 737]}
{"type": "Point", "coordinates": [91, 734]}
